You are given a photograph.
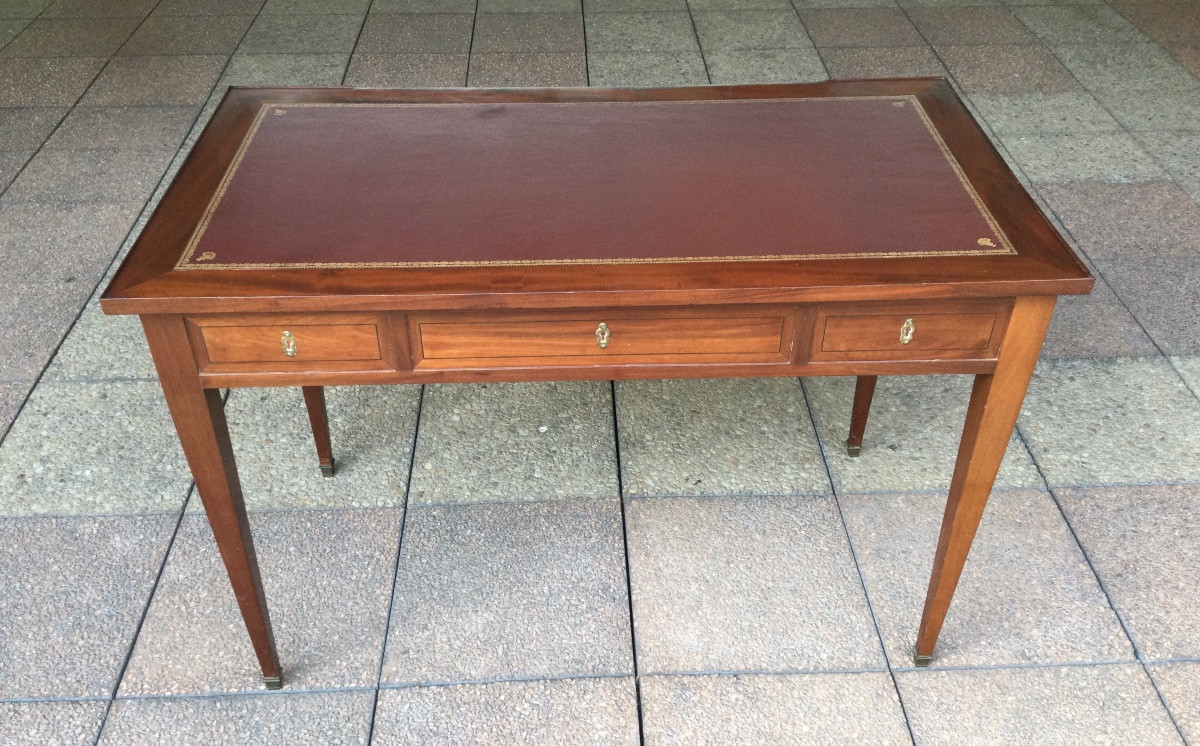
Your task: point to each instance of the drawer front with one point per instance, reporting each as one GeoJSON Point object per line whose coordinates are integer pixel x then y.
{"type": "Point", "coordinates": [909, 331]}
{"type": "Point", "coordinates": [284, 343]}
{"type": "Point", "coordinates": [510, 340]}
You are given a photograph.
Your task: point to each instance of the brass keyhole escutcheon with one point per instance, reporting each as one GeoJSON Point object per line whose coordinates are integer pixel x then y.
{"type": "Point", "coordinates": [907, 330]}
{"type": "Point", "coordinates": [288, 343]}
{"type": "Point", "coordinates": [602, 334]}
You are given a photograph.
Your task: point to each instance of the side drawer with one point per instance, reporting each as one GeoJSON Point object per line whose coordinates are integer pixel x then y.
{"type": "Point", "coordinates": [601, 337]}
{"type": "Point", "coordinates": [272, 343]}
{"type": "Point", "coordinates": [918, 330]}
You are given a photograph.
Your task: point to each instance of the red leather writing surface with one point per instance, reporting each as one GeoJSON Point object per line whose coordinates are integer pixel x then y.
{"type": "Point", "coordinates": [418, 184]}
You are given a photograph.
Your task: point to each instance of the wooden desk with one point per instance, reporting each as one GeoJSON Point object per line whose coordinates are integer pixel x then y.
{"type": "Point", "coordinates": [318, 237]}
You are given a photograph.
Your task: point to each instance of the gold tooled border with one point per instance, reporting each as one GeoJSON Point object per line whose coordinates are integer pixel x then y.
{"type": "Point", "coordinates": [185, 263]}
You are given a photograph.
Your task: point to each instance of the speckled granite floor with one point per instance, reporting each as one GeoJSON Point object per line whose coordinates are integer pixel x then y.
{"type": "Point", "coordinates": [756, 586]}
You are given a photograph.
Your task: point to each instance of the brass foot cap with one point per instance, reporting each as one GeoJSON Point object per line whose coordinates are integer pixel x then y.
{"type": "Point", "coordinates": [853, 449]}
{"type": "Point", "coordinates": [922, 660]}
{"type": "Point", "coordinates": [327, 469]}
{"type": "Point", "coordinates": [273, 682]}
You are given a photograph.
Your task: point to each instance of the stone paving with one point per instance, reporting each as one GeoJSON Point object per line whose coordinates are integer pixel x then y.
{"type": "Point", "coordinates": [657, 562]}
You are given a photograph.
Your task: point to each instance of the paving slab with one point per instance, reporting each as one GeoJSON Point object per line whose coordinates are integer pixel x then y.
{"type": "Point", "coordinates": [647, 68]}
{"type": "Point", "coordinates": [513, 442]}
{"type": "Point", "coordinates": [1114, 157]}
{"type": "Point", "coordinates": [882, 62]}
{"type": "Point", "coordinates": [71, 37]}
{"type": "Point", "coordinates": [808, 709]}
{"type": "Point", "coordinates": [40, 723]}
{"type": "Point", "coordinates": [53, 82]}
{"type": "Point", "coordinates": [416, 33]}
{"type": "Point", "coordinates": [97, 8]}
{"type": "Point", "coordinates": [1095, 325]}
{"type": "Point", "coordinates": [645, 32]}
{"type": "Point", "coordinates": [1141, 541]}
{"type": "Point", "coordinates": [1178, 684]}
{"type": "Point", "coordinates": [912, 436]}
{"type": "Point", "coordinates": [326, 575]}
{"type": "Point", "coordinates": [528, 69]}
{"type": "Point", "coordinates": [1026, 594]}
{"type": "Point", "coordinates": [93, 449]}
{"type": "Point", "coordinates": [1127, 221]}
{"type": "Point", "coordinates": [1164, 295]}
{"type": "Point", "coordinates": [1113, 69]}
{"type": "Point", "coordinates": [750, 29]}
{"type": "Point", "coordinates": [746, 584]}
{"type": "Point", "coordinates": [283, 69]}
{"type": "Point", "coordinates": [102, 348]}
{"type": "Point", "coordinates": [333, 718]}
{"type": "Point", "coordinates": [860, 27]}
{"type": "Point", "coordinates": [26, 128]}
{"type": "Point", "coordinates": [488, 592]}
{"type": "Point", "coordinates": [154, 128]}
{"type": "Point", "coordinates": [1007, 68]}
{"type": "Point", "coordinates": [1072, 112]}
{"type": "Point", "coordinates": [63, 242]}
{"type": "Point", "coordinates": [500, 33]}
{"type": "Point", "coordinates": [166, 35]}
{"type": "Point", "coordinates": [959, 25]}
{"type": "Point", "coordinates": [107, 176]}
{"type": "Point", "coordinates": [1115, 421]}
{"type": "Point", "coordinates": [1093, 24]}
{"type": "Point", "coordinates": [184, 80]}
{"type": "Point", "coordinates": [37, 315]}
{"type": "Point", "coordinates": [567, 711]}
{"type": "Point", "coordinates": [407, 70]}
{"type": "Point", "coordinates": [795, 65]}
{"type": "Point", "coordinates": [71, 598]}
{"type": "Point", "coordinates": [1076, 704]}
{"type": "Point", "coordinates": [1189, 369]}
{"type": "Point", "coordinates": [371, 430]}
{"type": "Point", "coordinates": [717, 437]}
{"type": "Point", "coordinates": [302, 34]}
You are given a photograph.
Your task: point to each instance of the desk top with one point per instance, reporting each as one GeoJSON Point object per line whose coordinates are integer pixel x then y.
{"type": "Point", "coordinates": [375, 197]}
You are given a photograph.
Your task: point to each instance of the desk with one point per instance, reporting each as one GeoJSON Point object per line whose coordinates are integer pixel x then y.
{"type": "Point", "coordinates": [336, 236]}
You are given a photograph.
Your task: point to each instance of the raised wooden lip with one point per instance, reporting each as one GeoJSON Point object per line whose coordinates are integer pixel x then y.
{"type": "Point", "coordinates": [148, 281]}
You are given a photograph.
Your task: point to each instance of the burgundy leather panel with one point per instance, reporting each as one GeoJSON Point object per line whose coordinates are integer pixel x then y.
{"type": "Point", "coordinates": [351, 184]}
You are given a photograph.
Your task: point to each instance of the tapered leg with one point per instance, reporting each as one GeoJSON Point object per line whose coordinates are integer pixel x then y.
{"type": "Point", "coordinates": [991, 415]}
{"type": "Point", "coordinates": [314, 400]}
{"type": "Point", "coordinates": [200, 421]}
{"type": "Point", "coordinates": [864, 390]}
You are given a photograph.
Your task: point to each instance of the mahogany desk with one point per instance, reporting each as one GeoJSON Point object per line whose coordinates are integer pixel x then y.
{"type": "Point", "coordinates": [319, 237]}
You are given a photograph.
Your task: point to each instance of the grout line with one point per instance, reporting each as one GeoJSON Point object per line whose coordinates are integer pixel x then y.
{"type": "Point", "coordinates": [587, 73]}
{"type": "Point", "coordinates": [118, 255]}
{"type": "Point", "coordinates": [357, 39]}
{"type": "Point", "coordinates": [703, 60]}
{"type": "Point", "coordinates": [470, 46]}
{"type": "Point", "coordinates": [137, 632]}
{"type": "Point", "coordinates": [446, 683]}
{"type": "Point", "coordinates": [862, 580]}
{"type": "Point", "coordinates": [637, 679]}
{"type": "Point", "coordinates": [248, 693]}
{"type": "Point", "coordinates": [1103, 587]}
{"type": "Point", "coordinates": [387, 626]}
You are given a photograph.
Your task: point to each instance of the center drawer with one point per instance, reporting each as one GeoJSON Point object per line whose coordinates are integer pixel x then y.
{"type": "Point", "coordinates": [659, 337]}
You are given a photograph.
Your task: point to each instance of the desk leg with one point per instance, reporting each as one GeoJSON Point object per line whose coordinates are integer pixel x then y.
{"type": "Point", "coordinates": [991, 415]}
{"type": "Point", "coordinates": [200, 421]}
{"type": "Point", "coordinates": [864, 391]}
{"type": "Point", "coordinates": [314, 401]}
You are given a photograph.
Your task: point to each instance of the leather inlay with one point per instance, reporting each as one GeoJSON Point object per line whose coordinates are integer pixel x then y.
{"type": "Point", "coordinates": [395, 185]}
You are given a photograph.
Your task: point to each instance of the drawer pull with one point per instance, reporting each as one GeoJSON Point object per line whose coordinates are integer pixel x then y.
{"type": "Point", "coordinates": [288, 343]}
{"type": "Point", "coordinates": [602, 335]}
{"type": "Point", "coordinates": [907, 329]}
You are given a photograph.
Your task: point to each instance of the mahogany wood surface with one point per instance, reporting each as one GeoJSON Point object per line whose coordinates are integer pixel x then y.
{"type": "Point", "coordinates": [991, 415]}
{"type": "Point", "coordinates": [864, 391]}
{"type": "Point", "coordinates": [212, 326]}
{"type": "Point", "coordinates": [314, 402]}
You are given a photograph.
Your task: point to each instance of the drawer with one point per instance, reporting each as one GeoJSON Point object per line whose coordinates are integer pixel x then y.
{"type": "Point", "coordinates": [924, 330]}
{"type": "Point", "coordinates": [659, 337]}
{"type": "Point", "coordinates": [284, 342]}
